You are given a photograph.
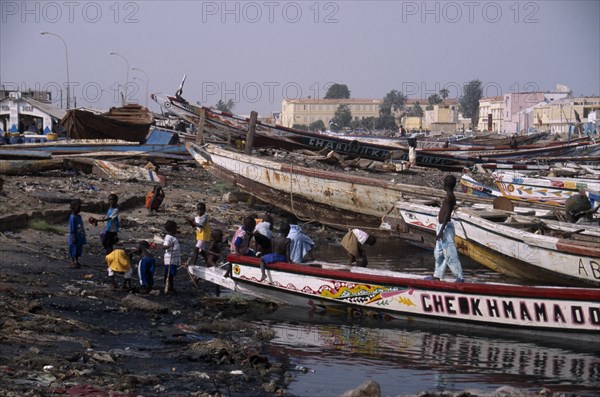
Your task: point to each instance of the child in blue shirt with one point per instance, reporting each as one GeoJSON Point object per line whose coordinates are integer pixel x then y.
{"type": "Point", "coordinates": [146, 266]}
{"type": "Point", "coordinates": [76, 234]}
{"type": "Point", "coordinates": [112, 224]}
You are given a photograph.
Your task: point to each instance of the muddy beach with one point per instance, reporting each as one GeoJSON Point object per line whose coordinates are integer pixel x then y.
{"type": "Point", "coordinates": [65, 332]}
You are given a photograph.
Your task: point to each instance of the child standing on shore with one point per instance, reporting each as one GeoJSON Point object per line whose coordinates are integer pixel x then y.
{"type": "Point", "coordinates": [76, 234]}
{"type": "Point", "coordinates": [112, 224]}
{"type": "Point", "coordinates": [172, 256]}
{"type": "Point", "coordinates": [202, 228]}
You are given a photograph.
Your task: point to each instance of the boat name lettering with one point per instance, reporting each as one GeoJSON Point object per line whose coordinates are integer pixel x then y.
{"type": "Point", "coordinates": [512, 309]}
{"type": "Point", "coordinates": [349, 147]}
{"type": "Point", "coordinates": [594, 268]}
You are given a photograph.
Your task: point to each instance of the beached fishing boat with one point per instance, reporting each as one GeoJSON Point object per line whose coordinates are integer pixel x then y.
{"type": "Point", "coordinates": [231, 128]}
{"type": "Point", "coordinates": [547, 309]}
{"type": "Point", "coordinates": [129, 123]}
{"type": "Point", "coordinates": [549, 190]}
{"type": "Point", "coordinates": [337, 199]}
{"type": "Point", "coordinates": [519, 246]}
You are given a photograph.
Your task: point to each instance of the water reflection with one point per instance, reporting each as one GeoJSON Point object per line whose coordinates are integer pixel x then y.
{"type": "Point", "coordinates": [429, 359]}
{"type": "Point", "coordinates": [413, 356]}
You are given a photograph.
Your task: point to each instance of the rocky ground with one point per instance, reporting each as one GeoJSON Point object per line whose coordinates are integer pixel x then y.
{"type": "Point", "coordinates": [64, 332]}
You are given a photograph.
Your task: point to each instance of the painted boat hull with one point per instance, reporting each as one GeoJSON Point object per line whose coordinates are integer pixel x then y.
{"type": "Point", "coordinates": [396, 294]}
{"type": "Point", "coordinates": [553, 191]}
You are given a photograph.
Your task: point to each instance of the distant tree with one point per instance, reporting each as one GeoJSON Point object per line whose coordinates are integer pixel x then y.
{"type": "Point", "coordinates": [338, 91]}
{"type": "Point", "coordinates": [386, 122]}
{"type": "Point", "coordinates": [302, 127]}
{"type": "Point", "coordinates": [393, 101]}
{"type": "Point", "coordinates": [444, 93]}
{"type": "Point", "coordinates": [469, 101]}
{"type": "Point", "coordinates": [417, 110]}
{"type": "Point", "coordinates": [434, 100]}
{"type": "Point", "coordinates": [369, 123]}
{"type": "Point", "coordinates": [318, 125]}
{"type": "Point", "coordinates": [225, 106]}
{"type": "Point", "coordinates": [341, 118]}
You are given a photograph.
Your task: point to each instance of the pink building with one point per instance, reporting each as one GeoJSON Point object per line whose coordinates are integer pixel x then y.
{"type": "Point", "coordinates": [514, 104]}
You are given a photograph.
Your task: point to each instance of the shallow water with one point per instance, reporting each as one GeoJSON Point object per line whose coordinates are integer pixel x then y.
{"type": "Point", "coordinates": [407, 357]}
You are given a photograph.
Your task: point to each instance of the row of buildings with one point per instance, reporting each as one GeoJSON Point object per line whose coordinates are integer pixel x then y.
{"type": "Point", "coordinates": [555, 111]}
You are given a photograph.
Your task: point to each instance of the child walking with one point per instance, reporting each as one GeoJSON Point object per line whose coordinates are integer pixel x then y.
{"type": "Point", "coordinates": [76, 234]}
{"type": "Point", "coordinates": [202, 228]}
{"type": "Point", "coordinates": [172, 256]}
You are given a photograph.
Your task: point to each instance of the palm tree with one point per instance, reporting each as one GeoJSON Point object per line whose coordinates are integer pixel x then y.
{"type": "Point", "coordinates": [444, 93]}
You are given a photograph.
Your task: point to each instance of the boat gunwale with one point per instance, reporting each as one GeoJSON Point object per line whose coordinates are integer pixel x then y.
{"type": "Point", "coordinates": [491, 289]}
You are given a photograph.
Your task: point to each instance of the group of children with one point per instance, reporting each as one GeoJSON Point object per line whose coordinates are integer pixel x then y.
{"type": "Point", "coordinates": [119, 260]}
{"type": "Point", "coordinates": [208, 245]}
{"type": "Point", "coordinates": [255, 238]}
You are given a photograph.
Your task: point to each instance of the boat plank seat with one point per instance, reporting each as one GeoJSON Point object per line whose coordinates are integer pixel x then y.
{"type": "Point", "coordinates": [489, 214]}
{"type": "Point", "coordinates": [523, 225]}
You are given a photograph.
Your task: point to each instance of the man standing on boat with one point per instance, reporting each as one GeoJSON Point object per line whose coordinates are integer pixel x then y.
{"type": "Point", "coordinates": [445, 252]}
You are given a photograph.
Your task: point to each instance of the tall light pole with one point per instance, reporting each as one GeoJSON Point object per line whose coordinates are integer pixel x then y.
{"type": "Point", "coordinates": [147, 82]}
{"type": "Point", "coordinates": [67, 61]}
{"type": "Point", "coordinates": [145, 86]}
{"type": "Point", "coordinates": [126, 75]}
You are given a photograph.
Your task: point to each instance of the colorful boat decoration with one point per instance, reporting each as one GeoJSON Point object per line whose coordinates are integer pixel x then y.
{"type": "Point", "coordinates": [553, 191]}
{"type": "Point", "coordinates": [408, 296]}
{"type": "Point", "coordinates": [469, 185]}
{"type": "Point", "coordinates": [528, 248]}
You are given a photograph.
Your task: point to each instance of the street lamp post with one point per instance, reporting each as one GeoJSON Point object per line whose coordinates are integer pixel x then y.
{"type": "Point", "coordinates": [146, 88]}
{"type": "Point", "coordinates": [67, 62]}
{"type": "Point", "coordinates": [147, 82]}
{"type": "Point", "coordinates": [126, 75]}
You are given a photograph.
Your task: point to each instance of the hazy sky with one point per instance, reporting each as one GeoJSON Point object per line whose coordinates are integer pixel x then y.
{"type": "Point", "coordinates": [258, 52]}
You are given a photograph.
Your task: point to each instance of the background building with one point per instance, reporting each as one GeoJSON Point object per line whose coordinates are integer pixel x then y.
{"type": "Point", "coordinates": [28, 111]}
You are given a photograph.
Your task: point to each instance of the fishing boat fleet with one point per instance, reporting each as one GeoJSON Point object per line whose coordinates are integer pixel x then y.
{"type": "Point", "coordinates": [509, 218]}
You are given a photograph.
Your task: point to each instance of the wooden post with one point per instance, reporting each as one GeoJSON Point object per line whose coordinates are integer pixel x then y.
{"type": "Point", "coordinates": [250, 134]}
{"type": "Point", "coordinates": [200, 127]}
